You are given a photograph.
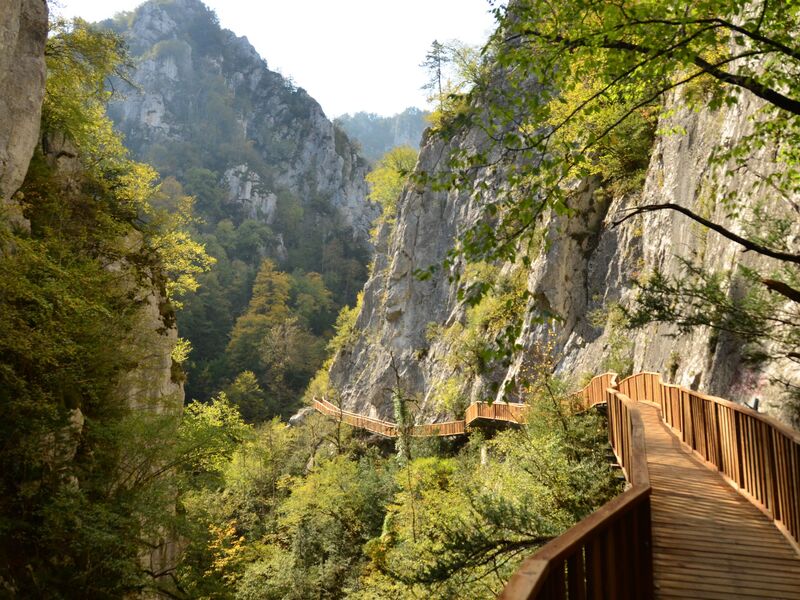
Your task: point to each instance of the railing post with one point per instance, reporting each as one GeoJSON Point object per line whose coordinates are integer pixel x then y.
{"type": "Point", "coordinates": [739, 458]}
{"type": "Point", "coordinates": [718, 439]}
{"type": "Point", "coordinates": [646, 587]}
{"type": "Point", "coordinates": [771, 474]}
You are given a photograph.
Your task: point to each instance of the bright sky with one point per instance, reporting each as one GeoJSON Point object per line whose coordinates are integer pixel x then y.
{"type": "Point", "coordinates": [350, 55]}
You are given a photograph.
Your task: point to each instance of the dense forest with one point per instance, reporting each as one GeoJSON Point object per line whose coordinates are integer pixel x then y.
{"type": "Point", "coordinates": [196, 252]}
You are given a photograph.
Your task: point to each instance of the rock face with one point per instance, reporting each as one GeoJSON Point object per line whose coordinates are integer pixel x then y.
{"type": "Point", "coordinates": [398, 307]}
{"type": "Point", "coordinates": [245, 188]}
{"type": "Point", "coordinates": [23, 31]}
{"type": "Point", "coordinates": [587, 268]}
{"type": "Point", "coordinates": [270, 139]}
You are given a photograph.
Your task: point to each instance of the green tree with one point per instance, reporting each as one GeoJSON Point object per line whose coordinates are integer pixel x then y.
{"type": "Point", "coordinates": [388, 178]}
{"type": "Point", "coordinates": [435, 64]}
{"type": "Point", "coordinates": [453, 68]}
{"type": "Point", "coordinates": [459, 526]}
{"type": "Point", "coordinates": [271, 292]}
{"type": "Point", "coordinates": [312, 301]}
{"type": "Point", "coordinates": [576, 93]}
{"type": "Point", "coordinates": [248, 397]}
{"type": "Point", "coordinates": [271, 341]}
{"type": "Point", "coordinates": [329, 516]}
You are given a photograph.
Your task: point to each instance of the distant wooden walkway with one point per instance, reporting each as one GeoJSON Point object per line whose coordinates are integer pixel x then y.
{"type": "Point", "coordinates": [708, 540]}
{"type": "Point", "coordinates": [477, 411]}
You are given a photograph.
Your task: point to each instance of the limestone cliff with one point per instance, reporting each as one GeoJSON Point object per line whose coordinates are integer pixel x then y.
{"type": "Point", "coordinates": [586, 268]}
{"type": "Point", "coordinates": [23, 31]}
{"type": "Point", "coordinates": [205, 97]}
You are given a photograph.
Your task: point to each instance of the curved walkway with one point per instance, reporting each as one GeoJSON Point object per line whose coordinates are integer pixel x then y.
{"type": "Point", "coordinates": [713, 504]}
{"type": "Point", "coordinates": [708, 540]}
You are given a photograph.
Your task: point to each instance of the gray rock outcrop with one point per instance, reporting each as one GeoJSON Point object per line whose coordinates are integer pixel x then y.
{"type": "Point", "coordinates": [586, 269]}
{"type": "Point", "coordinates": [274, 139]}
{"type": "Point", "coordinates": [23, 32]}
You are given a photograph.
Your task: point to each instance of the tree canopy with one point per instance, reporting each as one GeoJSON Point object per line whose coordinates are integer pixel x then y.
{"type": "Point", "coordinates": [388, 177]}
{"type": "Point", "coordinates": [578, 89]}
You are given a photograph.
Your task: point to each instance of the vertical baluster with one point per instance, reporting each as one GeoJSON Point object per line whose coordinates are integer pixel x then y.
{"type": "Point", "coordinates": [624, 549]}
{"type": "Point", "coordinates": [686, 421]}
{"type": "Point", "coordinates": [737, 431]}
{"type": "Point", "coordinates": [610, 575]}
{"type": "Point", "coordinates": [559, 581]}
{"type": "Point", "coordinates": [763, 463]}
{"type": "Point", "coordinates": [794, 475]}
{"type": "Point", "coordinates": [594, 568]}
{"type": "Point", "coordinates": [779, 474]}
{"type": "Point", "coordinates": [645, 591]}
{"type": "Point", "coordinates": [576, 576]}
{"type": "Point", "coordinates": [747, 450]}
{"type": "Point", "coordinates": [772, 472]}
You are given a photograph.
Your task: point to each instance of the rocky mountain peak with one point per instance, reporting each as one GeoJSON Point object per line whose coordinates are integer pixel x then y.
{"type": "Point", "coordinates": [202, 86]}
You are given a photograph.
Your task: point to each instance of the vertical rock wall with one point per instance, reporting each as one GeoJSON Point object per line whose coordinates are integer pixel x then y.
{"type": "Point", "coordinates": [23, 32]}
{"type": "Point", "coordinates": [588, 267]}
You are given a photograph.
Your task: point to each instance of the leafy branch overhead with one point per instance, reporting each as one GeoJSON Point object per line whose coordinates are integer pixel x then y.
{"type": "Point", "coordinates": [580, 86]}
{"type": "Point", "coordinates": [577, 92]}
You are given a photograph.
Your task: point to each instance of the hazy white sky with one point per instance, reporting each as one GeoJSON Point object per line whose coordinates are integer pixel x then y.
{"type": "Point", "coordinates": [350, 55]}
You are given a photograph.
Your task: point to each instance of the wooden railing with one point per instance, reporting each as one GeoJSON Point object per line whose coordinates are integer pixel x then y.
{"type": "Point", "coordinates": [515, 413]}
{"type": "Point", "coordinates": [756, 454]}
{"type": "Point", "coordinates": [439, 429]}
{"type": "Point", "coordinates": [497, 411]}
{"type": "Point", "coordinates": [609, 553]}
{"type": "Point", "coordinates": [594, 391]}
{"type": "Point", "coordinates": [383, 428]}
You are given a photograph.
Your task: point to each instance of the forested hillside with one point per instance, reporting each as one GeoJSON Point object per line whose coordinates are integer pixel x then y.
{"type": "Point", "coordinates": [279, 194]}
{"type": "Point", "coordinates": [377, 135]}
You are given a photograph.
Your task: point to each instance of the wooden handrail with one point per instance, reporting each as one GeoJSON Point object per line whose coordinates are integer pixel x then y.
{"type": "Point", "coordinates": [496, 411]}
{"type": "Point", "coordinates": [756, 454]}
{"type": "Point", "coordinates": [509, 412]}
{"type": "Point", "coordinates": [383, 428]}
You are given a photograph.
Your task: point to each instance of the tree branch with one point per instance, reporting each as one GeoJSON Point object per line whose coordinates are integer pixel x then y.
{"type": "Point", "coordinates": [717, 22]}
{"type": "Point", "coordinates": [749, 245]}
{"type": "Point", "coordinates": [751, 84]}
{"type": "Point", "coordinates": [747, 82]}
{"type": "Point", "coordinates": [784, 289]}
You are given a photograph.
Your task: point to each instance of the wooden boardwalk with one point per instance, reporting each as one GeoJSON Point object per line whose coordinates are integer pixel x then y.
{"type": "Point", "coordinates": [708, 540]}
{"type": "Point", "coordinates": [712, 510]}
